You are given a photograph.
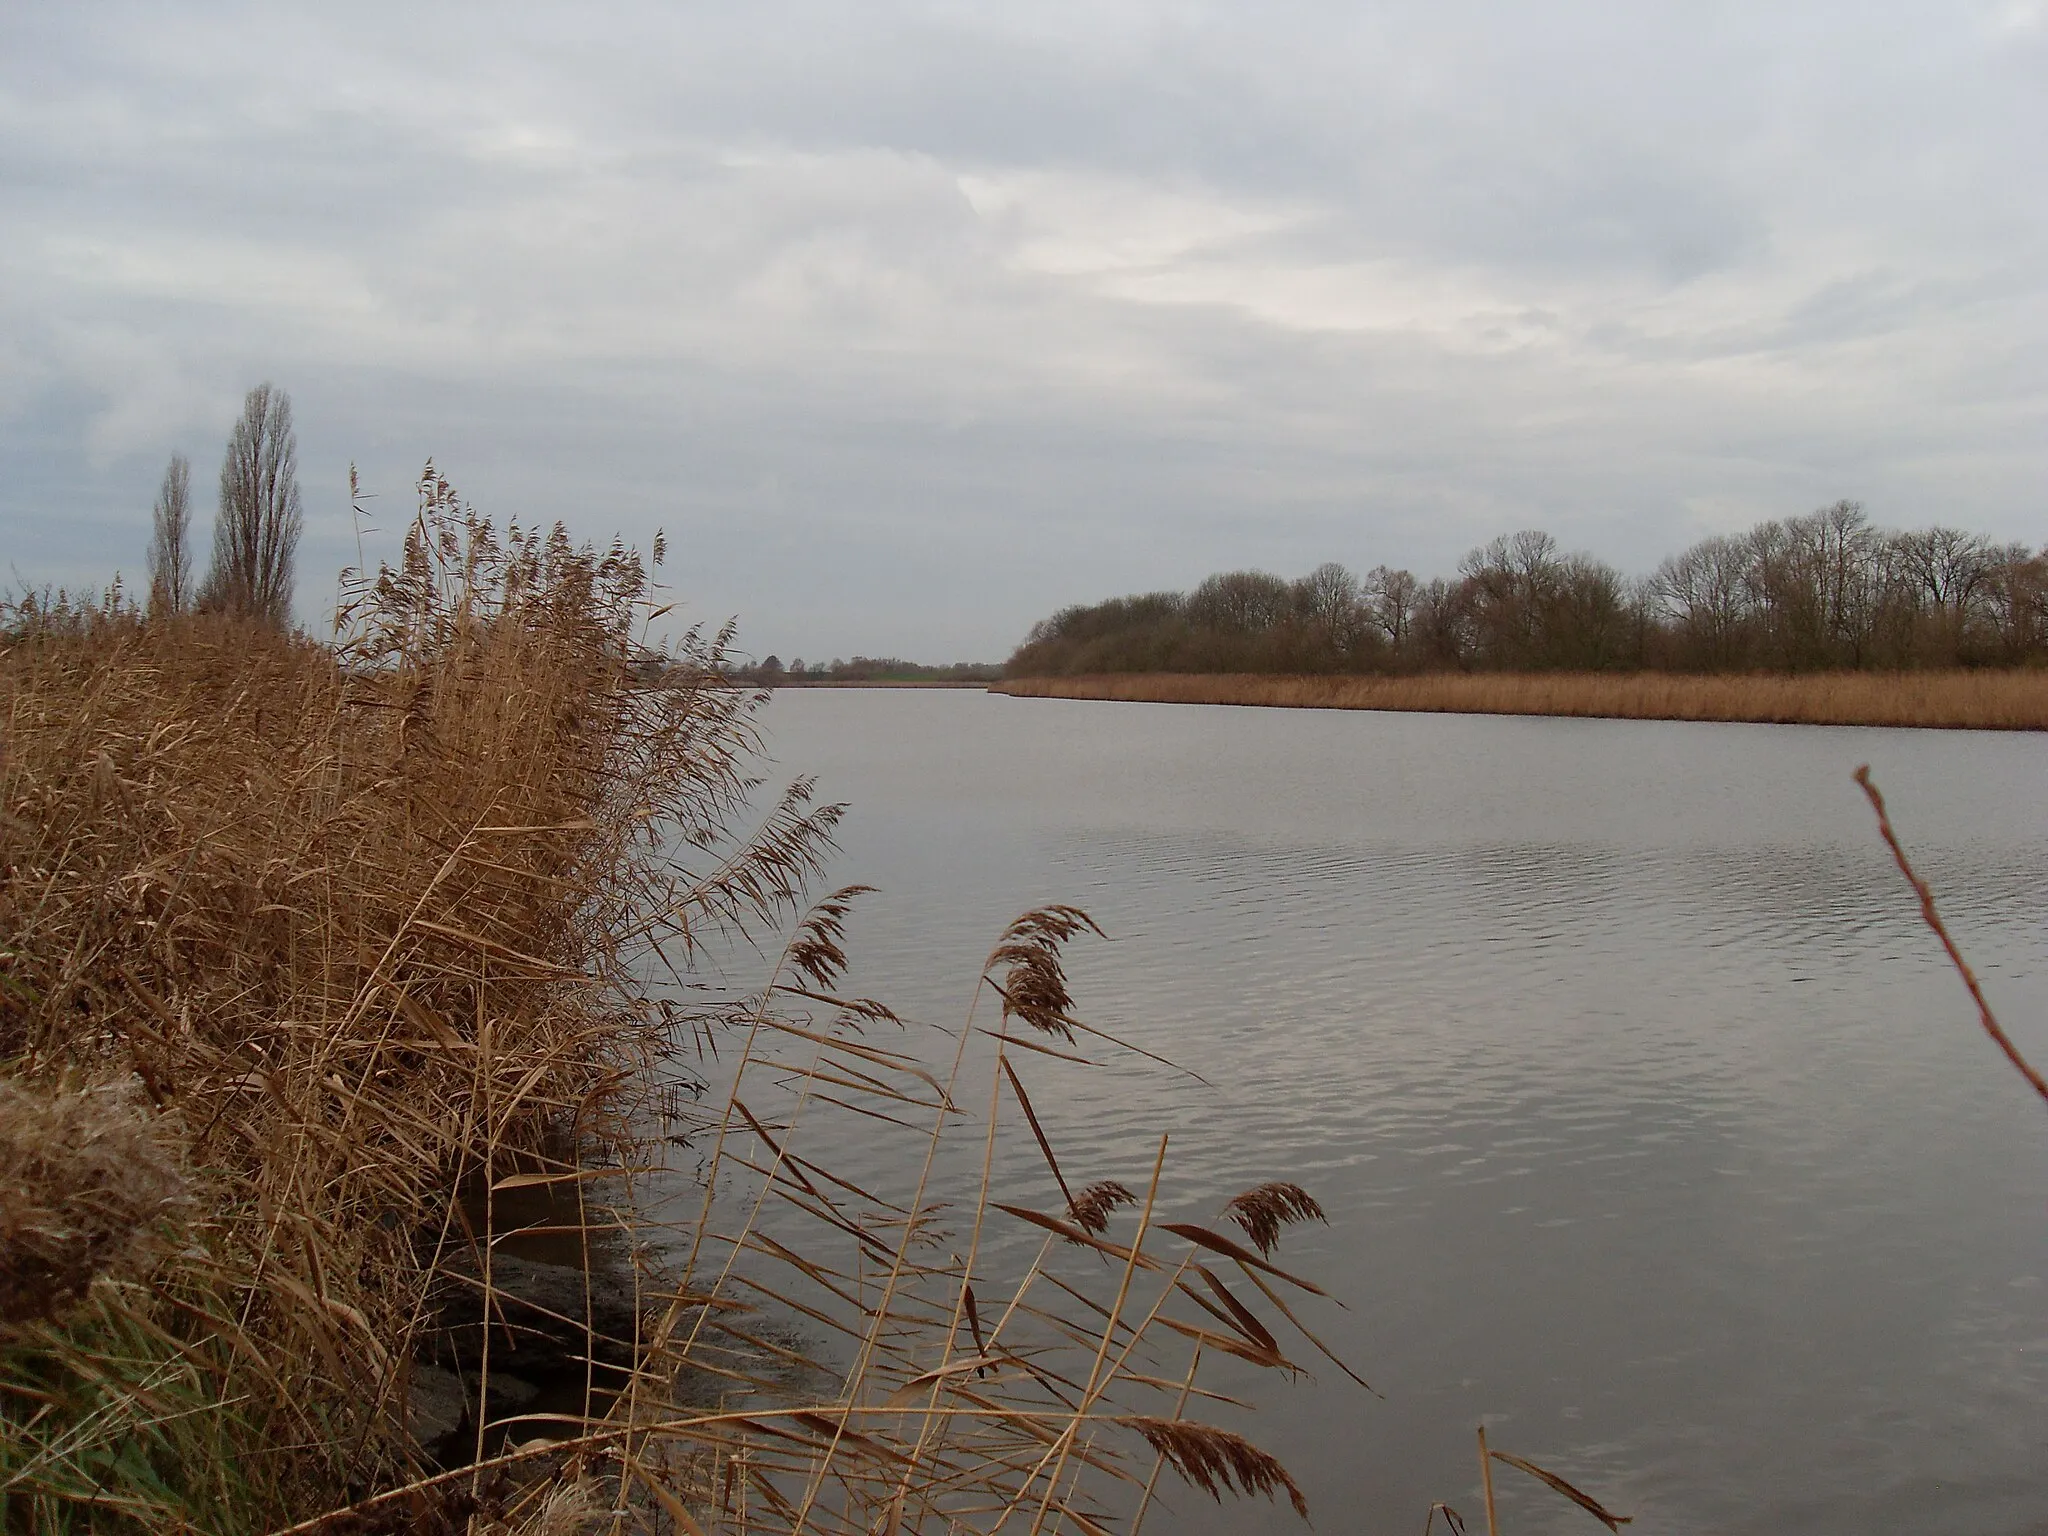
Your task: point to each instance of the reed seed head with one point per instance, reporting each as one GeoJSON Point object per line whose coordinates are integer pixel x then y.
{"type": "Point", "coordinates": [1090, 1210]}
{"type": "Point", "coordinates": [1215, 1460]}
{"type": "Point", "coordinates": [1264, 1210]}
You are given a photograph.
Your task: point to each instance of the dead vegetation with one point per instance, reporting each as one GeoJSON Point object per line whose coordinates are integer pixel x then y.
{"type": "Point", "coordinates": [312, 958]}
{"type": "Point", "coordinates": [88, 1187]}
{"type": "Point", "coordinates": [358, 925]}
{"type": "Point", "coordinates": [1931, 916]}
{"type": "Point", "coordinates": [1953, 700]}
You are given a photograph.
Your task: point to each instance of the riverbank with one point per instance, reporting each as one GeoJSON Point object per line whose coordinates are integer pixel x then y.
{"type": "Point", "coordinates": [301, 942]}
{"type": "Point", "coordinates": [359, 1170]}
{"type": "Point", "coordinates": [882, 682]}
{"type": "Point", "coordinates": [1981, 701]}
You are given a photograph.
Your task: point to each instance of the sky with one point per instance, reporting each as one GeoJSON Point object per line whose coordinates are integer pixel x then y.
{"type": "Point", "coordinates": [911, 323]}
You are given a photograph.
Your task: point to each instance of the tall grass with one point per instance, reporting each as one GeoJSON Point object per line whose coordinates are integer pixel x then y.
{"type": "Point", "coordinates": [1963, 700]}
{"type": "Point", "coordinates": [359, 924]}
{"type": "Point", "coordinates": [314, 955]}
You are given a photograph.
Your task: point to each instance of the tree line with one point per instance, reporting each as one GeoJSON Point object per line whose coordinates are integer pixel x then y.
{"type": "Point", "coordinates": [1828, 591]}
{"type": "Point", "coordinates": [255, 531]}
{"type": "Point", "coordinates": [771, 673]}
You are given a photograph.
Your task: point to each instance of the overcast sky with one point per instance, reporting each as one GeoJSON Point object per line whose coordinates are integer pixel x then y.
{"type": "Point", "coordinates": [913, 322]}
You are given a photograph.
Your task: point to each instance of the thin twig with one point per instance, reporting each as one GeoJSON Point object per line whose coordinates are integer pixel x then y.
{"type": "Point", "coordinates": [1933, 920]}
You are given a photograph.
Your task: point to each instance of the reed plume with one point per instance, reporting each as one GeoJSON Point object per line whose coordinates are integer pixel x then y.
{"type": "Point", "coordinates": [1091, 1209]}
{"type": "Point", "coordinates": [1263, 1211]}
{"type": "Point", "coordinates": [1215, 1460]}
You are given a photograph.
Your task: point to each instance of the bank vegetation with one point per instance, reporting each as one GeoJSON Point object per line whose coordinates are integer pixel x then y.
{"type": "Point", "coordinates": [1953, 700]}
{"type": "Point", "coordinates": [865, 671]}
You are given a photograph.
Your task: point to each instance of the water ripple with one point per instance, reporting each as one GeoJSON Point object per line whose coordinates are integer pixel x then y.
{"type": "Point", "coordinates": [1650, 1122]}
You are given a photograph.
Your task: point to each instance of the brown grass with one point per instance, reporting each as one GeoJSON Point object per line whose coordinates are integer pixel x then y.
{"type": "Point", "coordinates": [358, 926]}
{"type": "Point", "coordinates": [88, 1188]}
{"type": "Point", "coordinates": [1978, 700]}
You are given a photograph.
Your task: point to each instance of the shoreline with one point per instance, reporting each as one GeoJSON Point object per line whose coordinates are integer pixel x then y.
{"type": "Point", "coordinates": [2015, 700]}
{"type": "Point", "coordinates": [878, 682]}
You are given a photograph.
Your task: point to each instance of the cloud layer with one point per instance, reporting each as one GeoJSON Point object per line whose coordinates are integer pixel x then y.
{"type": "Point", "coordinates": [913, 322]}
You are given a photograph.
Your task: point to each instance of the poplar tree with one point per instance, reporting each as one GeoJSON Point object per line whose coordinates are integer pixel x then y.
{"type": "Point", "coordinates": [170, 554]}
{"type": "Point", "coordinates": [256, 536]}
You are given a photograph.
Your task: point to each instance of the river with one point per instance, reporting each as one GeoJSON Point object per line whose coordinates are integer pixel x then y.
{"type": "Point", "coordinates": [1652, 1127]}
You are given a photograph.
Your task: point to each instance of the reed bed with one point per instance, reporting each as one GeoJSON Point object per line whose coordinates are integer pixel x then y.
{"type": "Point", "coordinates": [312, 957]}
{"type": "Point", "coordinates": [1953, 700]}
{"type": "Point", "coordinates": [331, 932]}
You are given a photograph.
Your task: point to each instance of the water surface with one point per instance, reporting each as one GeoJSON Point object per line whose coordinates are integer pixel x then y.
{"type": "Point", "coordinates": [1652, 1128]}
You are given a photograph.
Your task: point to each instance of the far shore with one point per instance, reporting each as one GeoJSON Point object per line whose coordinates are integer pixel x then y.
{"type": "Point", "coordinates": [882, 682]}
{"type": "Point", "coordinates": [2014, 700]}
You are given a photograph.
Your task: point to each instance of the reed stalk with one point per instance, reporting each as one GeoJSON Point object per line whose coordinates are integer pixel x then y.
{"type": "Point", "coordinates": [1486, 1483]}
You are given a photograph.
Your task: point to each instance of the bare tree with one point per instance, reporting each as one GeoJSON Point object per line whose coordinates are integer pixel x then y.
{"type": "Point", "coordinates": [1708, 596]}
{"type": "Point", "coordinates": [1390, 600]}
{"type": "Point", "coordinates": [1328, 608]}
{"type": "Point", "coordinates": [170, 552]}
{"type": "Point", "coordinates": [257, 534]}
{"type": "Point", "coordinates": [1587, 622]}
{"type": "Point", "coordinates": [1950, 573]}
{"type": "Point", "coordinates": [1442, 624]}
{"type": "Point", "coordinates": [1240, 602]}
{"type": "Point", "coordinates": [1326, 595]}
{"type": "Point", "coordinates": [1512, 584]}
{"type": "Point", "coordinates": [2017, 602]}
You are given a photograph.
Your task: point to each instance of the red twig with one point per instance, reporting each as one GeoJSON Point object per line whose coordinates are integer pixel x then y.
{"type": "Point", "coordinates": [1933, 919]}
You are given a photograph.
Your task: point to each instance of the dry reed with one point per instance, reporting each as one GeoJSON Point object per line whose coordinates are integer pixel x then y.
{"type": "Point", "coordinates": [1964, 700]}
{"type": "Point", "coordinates": [88, 1187]}
{"type": "Point", "coordinates": [1931, 916]}
{"type": "Point", "coordinates": [363, 924]}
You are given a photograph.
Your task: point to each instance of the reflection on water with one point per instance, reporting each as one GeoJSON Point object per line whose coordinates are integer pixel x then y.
{"type": "Point", "coordinates": [1650, 1126]}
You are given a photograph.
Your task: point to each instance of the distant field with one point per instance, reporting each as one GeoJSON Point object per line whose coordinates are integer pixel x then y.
{"type": "Point", "coordinates": [1985, 700]}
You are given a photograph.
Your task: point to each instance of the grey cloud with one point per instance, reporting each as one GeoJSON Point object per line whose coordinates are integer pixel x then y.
{"type": "Point", "coordinates": [912, 322]}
